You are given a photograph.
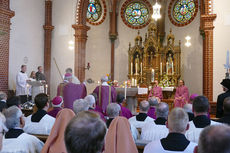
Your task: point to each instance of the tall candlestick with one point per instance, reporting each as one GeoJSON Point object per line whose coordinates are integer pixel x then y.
{"type": "Point", "coordinates": [167, 68]}
{"type": "Point", "coordinates": [131, 69]}
{"type": "Point", "coordinates": [136, 68]}
{"type": "Point", "coordinates": [132, 83]}
{"type": "Point", "coordinates": [152, 77]}
{"type": "Point", "coordinates": [46, 88]}
{"type": "Point", "coordinates": [172, 68]}
{"type": "Point", "coordinates": [141, 68]}
{"type": "Point", "coordinates": [125, 88]}
{"type": "Point", "coordinates": [161, 69]}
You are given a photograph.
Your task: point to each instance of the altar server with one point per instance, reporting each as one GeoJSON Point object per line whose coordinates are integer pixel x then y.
{"type": "Point", "coordinates": [156, 91]}
{"type": "Point", "coordinates": [16, 140]}
{"type": "Point", "coordinates": [106, 94]}
{"type": "Point", "coordinates": [21, 84]}
{"type": "Point", "coordinates": [175, 141]}
{"type": "Point", "coordinates": [182, 95]}
{"type": "Point", "coordinates": [40, 122]}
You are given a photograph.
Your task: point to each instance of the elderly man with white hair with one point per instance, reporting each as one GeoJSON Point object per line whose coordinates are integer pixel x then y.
{"type": "Point", "coordinates": [16, 140]}
{"type": "Point", "coordinates": [92, 104]}
{"type": "Point", "coordinates": [176, 141]}
{"type": "Point", "coordinates": [3, 98]}
{"type": "Point", "coordinates": [80, 105]}
{"type": "Point", "coordinates": [188, 109]}
{"type": "Point", "coordinates": [113, 110]}
{"type": "Point", "coordinates": [106, 94]}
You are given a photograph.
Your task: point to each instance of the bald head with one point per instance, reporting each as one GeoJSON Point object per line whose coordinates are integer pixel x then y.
{"type": "Point", "coordinates": [214, 139]}
{"type": "Point", "coordinates": [227, 105]}
{"type": "Point", "coordinates": [178, 120]}
{"type": "Point", "coordinates": [162, 110]}
{"type": "Point", "coordinates": [144, 106]}
{"type": "Point", "coordinates": [153, 101]}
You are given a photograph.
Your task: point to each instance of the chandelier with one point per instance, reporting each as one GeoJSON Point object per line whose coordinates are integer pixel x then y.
{"type": "Point", "coordinates": [156, 11]}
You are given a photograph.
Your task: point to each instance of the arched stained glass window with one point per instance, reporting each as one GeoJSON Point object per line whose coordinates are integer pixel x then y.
{"type": "Point", "coordinates": [184, 10]}
{"type": "Point", "coordinates": [136, 14]}
{"type": "Point", "coordinates": [94, 11]}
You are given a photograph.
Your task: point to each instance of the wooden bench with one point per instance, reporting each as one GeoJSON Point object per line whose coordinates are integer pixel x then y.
{"type": "Point", "coordinates": [43, 138]}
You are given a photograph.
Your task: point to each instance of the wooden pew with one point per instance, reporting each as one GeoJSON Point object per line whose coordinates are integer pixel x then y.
{"type": "Point", "coordinates": [43, 138]}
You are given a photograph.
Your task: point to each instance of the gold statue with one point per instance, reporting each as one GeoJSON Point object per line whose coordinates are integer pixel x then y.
{"type": "Point", "coordinates": [137, 64]}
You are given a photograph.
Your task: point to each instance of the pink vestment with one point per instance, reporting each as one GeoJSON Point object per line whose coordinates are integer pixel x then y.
{"type": "Point", "coordinates": [105, 95]}
{"type": "Point", "coordinates": [181, 96]}
{"type": "Point", "coordinates": [156, 92]}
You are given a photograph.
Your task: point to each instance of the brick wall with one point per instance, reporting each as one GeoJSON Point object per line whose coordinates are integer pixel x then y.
{"type": "Point", "coordinates": [5, 15]}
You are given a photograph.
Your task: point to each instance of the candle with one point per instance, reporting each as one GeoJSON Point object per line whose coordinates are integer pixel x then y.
{"type": "Point", "coordinates": [46, 88]}
{"type": "Point", "coordinates": [172, 68]}
{"type": "Point", "coordinates": [167, 68]}
{"type": "Point", "coordinates": [131, 69]}
{"type": "Point", "coordinates": [125, 88]}
{"type": "Point", "coordinates": [132, 83]}
{"type": "Point", "coordinates": [135, 82]}
{"type": "Point", "coordinates": [141, 68]}
{"type": "Point", "coordinates": [161, 69]}
{"type": "Point", "coordinates": [136, 68]}
{"type": "Point", "coordinates": [152, 75]}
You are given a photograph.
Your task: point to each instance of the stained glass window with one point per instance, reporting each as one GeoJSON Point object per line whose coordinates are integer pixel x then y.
{"type": "Point", "coordinates": [94, 10]}
{"type": "Point", "coordinates": [136, 14]}
{"type": "Point", "coordinates": [184, 10]}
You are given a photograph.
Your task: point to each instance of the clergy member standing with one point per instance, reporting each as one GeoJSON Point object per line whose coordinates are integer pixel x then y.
{"type": "Point", "coordinates": [106, 94]}
{"type": "Point", "coordinates": [182, 95]}
{"type": "Point", "coordinates": [21, 84]}
{"type": "Point", "coordinates": [39, 75]}
{"type": "Point", "coordinates": [156, 91]}
{"type": "Point", "coordinates": [74, 78]}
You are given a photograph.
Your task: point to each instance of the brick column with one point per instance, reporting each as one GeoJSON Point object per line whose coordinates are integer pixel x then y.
{"type": "Point", "coordinates": [80, 49]}
{"type": "Point", "coordinates": [207, 27]}
{"type": "Point", "coordinates": [48, 28]}
{"type": "Point", "coordinates": [5, 15]}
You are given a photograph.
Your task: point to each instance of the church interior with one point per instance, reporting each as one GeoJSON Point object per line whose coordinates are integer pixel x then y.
{"type": "Point", "coordinates": [134, 43]}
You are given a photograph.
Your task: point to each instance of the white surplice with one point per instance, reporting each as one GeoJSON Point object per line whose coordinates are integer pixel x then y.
{"type": "Point", "coordinates": [43, 127]}
{"type": "Point", "coordinates": [25, 143]}
{"type": "Point", "coordinates": [21, 85]}
{"type": "Point", "coordinates": [139, 124]}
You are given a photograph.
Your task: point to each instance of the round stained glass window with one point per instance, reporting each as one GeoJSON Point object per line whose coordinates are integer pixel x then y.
{"type": "Point", "coordinates": [94, 10]}
{"type": "Point", "coordinates": [136, 14]}
{"type": "Point", "coordinates": [184, 10]}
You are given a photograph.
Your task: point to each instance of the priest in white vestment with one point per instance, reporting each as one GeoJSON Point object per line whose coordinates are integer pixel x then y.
{"type": "Point", "coordinates": [142, 118]}
{"type": "Point", "coordinates": [176, 141]}
{"type": "Point", "coordinates": [40, 122]}
{"type": "Point", "coordinates": [21, 84]}
{"type": "Point", "coordinates": [15, 140]}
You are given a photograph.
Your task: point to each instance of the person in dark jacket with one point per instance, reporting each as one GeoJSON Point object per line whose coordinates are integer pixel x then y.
{"type": "Point", "coordinates": [226, 116]}
{"type": "Point", "coordinates": [226, 87]}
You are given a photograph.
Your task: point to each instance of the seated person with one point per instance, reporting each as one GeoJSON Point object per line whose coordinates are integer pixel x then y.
{"type": "Point", "coordinates": [15, 139]}
{"type": "Point", "coordinates": [124, 111]}
{"type": "Point", "coordinates": [118, 138]}
{"type": "Point", "coordinates": [3, 98]}
{"type": "Point", "coordinates": [3, 128]}
{"type": "Point", "coordinates": [188, 109]}
{"type": "Point", "coordinates": [113, 110]}
{"type": "Point", "coordinates": [201, 119]}
{"type": "Point", "coordinates": [57, 103]}
{"type": "Point", "coordinates": [176, 141]}
{"type": "Point", "coordinates": [162, 111]}
{"type": "Point", "coordinates": [92, 104]}
{"type": "Point", "coordinates": [80, 105]}
{"type": "Point", "coordinates": [214, 139]}
{"type": "Point", "coordinates": [85, 133]}
{"type": "Point", "coordinates": [226, 115]}
{"type": "Point", "coordinates": [40, 122]}
{"type": "Point", "coordinates": [142, 118]}
{"type": "Point", "coordinates": [153, 102]}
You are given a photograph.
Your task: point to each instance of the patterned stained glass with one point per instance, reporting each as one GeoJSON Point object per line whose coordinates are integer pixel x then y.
{"type": "Point", "coordinates": [136, 14]}
{"type": "Point", "coordinates": [94, 11]}
{"type": "Point", "coordinates": [184, 10]}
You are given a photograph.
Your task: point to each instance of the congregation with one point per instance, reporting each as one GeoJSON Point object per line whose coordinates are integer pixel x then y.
{"type": "Point", "coordinates": [75, 122]}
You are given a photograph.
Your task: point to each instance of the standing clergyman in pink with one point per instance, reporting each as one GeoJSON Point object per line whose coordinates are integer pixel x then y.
{"type": "Point", "coordinates": [182, 95]}
{"type": "Point", "coordinates": [106, 94]}
{"type": "Point", "coordinates": [156, 91]}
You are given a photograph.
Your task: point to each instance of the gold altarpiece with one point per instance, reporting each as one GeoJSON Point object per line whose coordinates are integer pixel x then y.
{"type": "Point", "coordinates": [151, 60]}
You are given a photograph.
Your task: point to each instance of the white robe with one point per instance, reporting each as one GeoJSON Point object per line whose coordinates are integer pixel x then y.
{"type": "Point", "coordinates": [75, 80]}
{"type": "Point", "coordinates": [43, 127]}
{"type": "Point", "coordinates": [193, 133]}
{"type": "Point", "coordinates": [139, 124]}
{"type": "Point", "coordinates": [21, 85]}
{"type": "Point", "coordinates": [156, 147]}
{"type": "Point", "coordinates": [152, 132]}
{"type": "Point", "coordinates": [25, 143]}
